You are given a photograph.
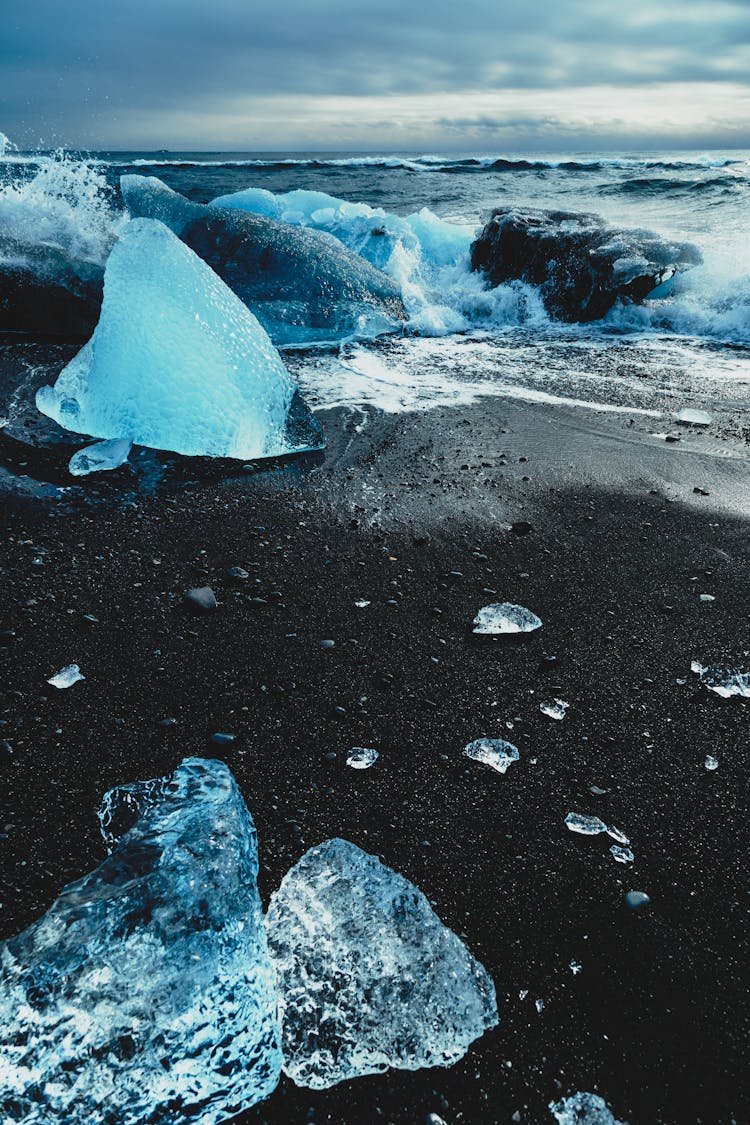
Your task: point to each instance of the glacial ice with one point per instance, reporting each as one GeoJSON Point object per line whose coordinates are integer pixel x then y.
{"type": "Point", "coordinates": [586, 825]}
{"type": "Point", "coordinates": [583, 1109]}
{"type": "Point", "coordinates": [101, 456]}
{"type": "Point", "coordinates": [690, 417]}
{"type": "Point", "coordinates": [622, 855]}
{"type": "Point", "coordinates": [710, 762]}
{"type": "Point", "coordinates": [146, 993]}
{"type": "Point", "coordinates": [725, 681]}
{"type": "Point", "coordinates": [504, 617]}
{"type": "Point", "coordinates": [369, 977]}
{"type": "Point", "coordinates": [494, 752]}
{"type": "Point", "coordinates": [361, 757]}
{"type": "Point", "coordinates": [178, 362]}
{"type": "Point", "coordinates": [557, 709]}
{"type": "Point", "coordinates": [66, 677]}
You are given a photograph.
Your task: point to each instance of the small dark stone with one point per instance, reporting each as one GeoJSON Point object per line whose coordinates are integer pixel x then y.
{"type": "Point", "coordinates": [5, 746]}
{"type": "Point", "coordinates": [330, 756]}
{"type": "Point", "coordinates": [548, 660]}
{"type": "Point", "coordinates": [219, 738]}
{"type": "Point", "coordinates": [421, 540]}
{"type": "Point", "coordinates": [167, 723]}
{"type": "Point", "coordinates": [339, 710]}
{"type": "Point", "coordinates": [636, 900]}
{"type": "Point", "coordinates": [327, 644]}
{"type": "Point", "coordinates": [7, 638]}
{"type": "Point", "coordinates": [237, 573]}
{"type": "Point", "coordinates": [597, 791]}
{"type": "Point", "coordinates": [201, 599]}
{"type": "Point", "coordinates": [521, 527]}
{"type": "Point", "coordinates": [672, 438]}
{"type": "Point", "coordinates": [701, 491]}
{"type": "Point", "coordinates": [90, 619]}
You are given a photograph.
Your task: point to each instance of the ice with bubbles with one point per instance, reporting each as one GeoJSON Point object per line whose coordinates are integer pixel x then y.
{"type": "Point", "coordinates": [583, 1109]}
{"type": "Point", "coordinates": [505, 617]}
{"type": "Point", "coordinates": [369, 977]}
{"type": "Point", "coordinates": [177, 362]}
{"type": "Point", "coordinates": [493, 752]}
{"type": "Point", "coordinates": [146, 992]}
{"type": "Point", "coordinates": [723, 680]}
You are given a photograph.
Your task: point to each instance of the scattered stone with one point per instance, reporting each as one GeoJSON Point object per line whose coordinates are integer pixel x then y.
{"type": "Point", "coordinates": [672, 438]}
{"type": "Point", "coordinates": [361, 758]}
{"type": "Point", "coordinates": [237, 573]}
{"type": "Point", "coordinates": [521, 527]}
{"type": "Point", "coordinates": [636, 900]}
{"type": "Point", "coordinates": [493, 752]}
{"type": "Point", "coordinates": [167, 723]}
{"type": "Point", "coordinates": [597, 791]}
{"type": "Point", "coordinates": [220, 738]}
{"type": "Point", "coordinates": [701, 491]}
{"type": "Point", "coordinates": [505, 617]}
{"type": "Point", "coordinates": [327, 644]}
{"type": "Point", "coordinates": [201, 599]}
{"type": "Point", "coordinates": [66, 677]}
{"type": "Point", "coordinates": [7, 638]}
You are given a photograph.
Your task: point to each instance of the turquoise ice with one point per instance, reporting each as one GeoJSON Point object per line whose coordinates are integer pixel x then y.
{"type": "Point", "coordinates": [177, 362]}
{"type": "Point", "coordinates": [146, 993]}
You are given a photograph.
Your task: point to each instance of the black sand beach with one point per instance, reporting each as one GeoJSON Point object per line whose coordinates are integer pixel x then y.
{"type": "Point", "coordinates": [412, 513]}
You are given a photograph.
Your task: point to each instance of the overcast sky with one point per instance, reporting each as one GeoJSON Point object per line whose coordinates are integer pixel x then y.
{"type": "Point", "coordinates": [394, 74]}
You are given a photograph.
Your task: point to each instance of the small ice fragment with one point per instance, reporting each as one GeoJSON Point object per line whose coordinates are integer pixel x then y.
{"type": "Point", "coordinates": [361, 758]}
{"type": "Point", "coordinates": [725, 681]}
{"type": "Point", "coordinates": [494, 752]}
{"type": "Point", "coordinates": [362, 604]}
{"type": "Point", "coordinates": [617, 834]}
{"type": "Point", "coordinates": [539, 1005]}
{"type": "Point", "coordinates": [706, 598]}
{"type": "Point", "coordinates": [100, 456]}
{"type": "Point", "coordinates": [583, 1109]}
{"type": "Point", "coordinates": [523, 994]}
{"type": "Point", "coordinates": [555, 710]}
{"type": "Point", "coordinates": [711, 763]}
{"type": "Point", "coordinates": [689, 417]}
{"type": "Point", "coordinates": [576, 967]}
{"type": "Point", "coordinates": [586, 825]}
{"type": "Point", "coordinates": [622, 855]}
{"type": "Point", "coordinates": [504, 617]}
{"type": "Point", "coordinates": [66, 677]}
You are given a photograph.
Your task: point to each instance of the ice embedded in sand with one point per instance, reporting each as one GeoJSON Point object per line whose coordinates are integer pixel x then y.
{"type": "Point", "coordinates": [725, 681]}
{"type": "Point", "coordinates": [369, 977]}
{"type": "Point", "coordinates": [586, 825]}
{"type": "Point", "coordinates": [100, 457]}
{"type": "Point", "coordinates": [494, 752]}
{"type": "Point", "coordinates": [583, 1109]}
{"type": "Point", "coordinates": [178, 362]}
{"type": "Point", "coordinates": [145, 993]}
{"type": "Point", "coordinates": [66, 677]}
{"type": "Point", "coordinates": [557, 709]}
{"type": "Point", "coordinates": [361, 757]}
{"type": "Point", "coordinates": [504, 617]}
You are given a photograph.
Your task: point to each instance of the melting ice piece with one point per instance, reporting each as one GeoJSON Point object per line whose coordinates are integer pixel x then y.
{"type": "Point", "coordinates": [711, 763]}
{"type": "Point", "coordinates": [689, 417]}
{"type": "Point", "coordinates": [576, 967]}
{"type": "Point", "coordinates": [504, 617]}
{"type": "Point", "coordinates": [101, 456]}
{"type": "Point", "coordinates": [178, 362]}
{"type": "Point", "coordinates": [555, 710]}
{"type": "Point", "coordinates": [66, 677]}
{"type": "Point", "coordinates": [362, 757]}
{"type": "Point", "coordinates": [622, 855]}
{"type": "Point", "coordinates": [369, 977]}
{"type": "Point", "coordinates": [146, 992]}
{"type": "Point", "coordinates": [583, 1109]}
{"type": "Point", "coordinates": [494, 752]}
{"type": "Point", "coordinates": [725, 681]}
{"type": "Point", "coordinates": [586, 825]}
{"type": "Point", "coordinates": [617, 834]}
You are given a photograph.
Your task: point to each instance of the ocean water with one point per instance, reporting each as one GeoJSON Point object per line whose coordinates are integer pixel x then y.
{"type": "Point", "coordinates": [464, 340]}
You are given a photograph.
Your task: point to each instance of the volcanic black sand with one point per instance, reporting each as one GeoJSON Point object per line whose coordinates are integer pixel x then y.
{"type": "Point", "coordinates": [412, 514]}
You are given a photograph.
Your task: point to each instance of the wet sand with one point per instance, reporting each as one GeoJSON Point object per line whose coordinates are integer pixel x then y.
{"type": "Point", "coordinates": [620, 547]}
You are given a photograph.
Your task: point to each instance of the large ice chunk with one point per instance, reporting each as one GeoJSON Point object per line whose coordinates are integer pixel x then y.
{"type": "Point", "coordinates": [146, 994]}
{"type": "Point", "coordinates": [369, 977]}
{"type": "Point", "coordinates": [303, 285]}
{"type": "Point", "coordinates": [725, 681]}
{"type": "Point", "coordinates": [583, 1109]}
{"type": "Point", "coordinates": [178, 362]}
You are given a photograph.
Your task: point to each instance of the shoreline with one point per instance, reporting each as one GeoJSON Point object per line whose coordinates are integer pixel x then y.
{"type": "Point", "coordinates": [619, 550]}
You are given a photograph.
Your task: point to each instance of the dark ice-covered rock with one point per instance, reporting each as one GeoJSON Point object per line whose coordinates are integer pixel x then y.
{"type": "Point", "coordinates": [580, 264]}
{"type": "Point", "coordinates": [303, 285]}
{"type": "Point", "coordinates": [145, 993]}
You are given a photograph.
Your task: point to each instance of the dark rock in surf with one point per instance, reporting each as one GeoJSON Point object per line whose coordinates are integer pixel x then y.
{"type": "Point", "coordinates": [48, 295]}
{"type": "Point", "coordinates": [579, 263]}
{"type": "Point", "coordinates": [303, 285]}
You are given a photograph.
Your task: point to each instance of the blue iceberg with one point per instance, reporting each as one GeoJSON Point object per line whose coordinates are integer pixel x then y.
{"type": "Point", "coordinates": [145, 993]}
{"type": "Point", "coordinates": [303, 285]}
{"type": "Point", "coordinates": [368, 975]}
{"type": "Point", "coordinates": [178, 362]}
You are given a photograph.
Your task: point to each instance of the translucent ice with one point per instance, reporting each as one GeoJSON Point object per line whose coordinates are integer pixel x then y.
{"type": "Point", "coordinates": [101, 456]}
{"type": "Point", "coordinates": [725, 681]}
{"type": "Point", "coordinates": [178, 362]}
{"type": "Point", "coordinates": [690, 417]}
{"type": "Point", "coordinates": [711, 763]}
{"type": "Point", "coordinates": [555, 710]}
{"type": "Point", "coordinates": [617, 834]}
{"type": "Point", "coordinates": [586, 825]}
{"type": "Point", "coordinates": [369, 977]}
{"type": "Point", "coordinates": [66, 677]}
{"type": "Point", "coordinates": [504, 617]}
{"type": "Point", "coordinates": [583, 1109]}
{"type": "Point", "coordinates": [494, 752]}
{"type": "Point", "coordinates": [361, 757]}
{"type": "Point", "coordinates": [622, 855]}
{"type": "Point", "coordinates": [146, 993]}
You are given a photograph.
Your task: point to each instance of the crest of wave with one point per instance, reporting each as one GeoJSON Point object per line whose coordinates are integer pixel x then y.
{"type": "Point", "coordinates": [65, 206]}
